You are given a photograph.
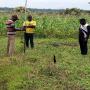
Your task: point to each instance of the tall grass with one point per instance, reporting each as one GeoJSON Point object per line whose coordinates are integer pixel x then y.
{"type": "Point", "coordinates": [49, 25]}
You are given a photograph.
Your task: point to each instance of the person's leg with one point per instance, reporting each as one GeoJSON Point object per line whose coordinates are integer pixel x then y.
{"type": "Point", "coordinates": [8, 44]}
{"type": "Point", "coordinates": [26, 40]}
{"type": "Point", "coordinates": [12, 45]}
{"type": "Point", "coordinates": [31, 40]}
{"type": "Point", "coordinates": [85, 49]}
{"type": "Point", "coordinates": [81, 46]}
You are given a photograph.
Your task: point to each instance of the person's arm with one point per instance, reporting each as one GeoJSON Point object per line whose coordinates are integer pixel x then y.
{"type": "Point", "coordinates": [31, 26]}
{"type": "Point", "coordinates": [88, 27]}
{"type": "Point", "coordinates": [23, 28]}
{"type": "Point", "coordinates": [17, 29]}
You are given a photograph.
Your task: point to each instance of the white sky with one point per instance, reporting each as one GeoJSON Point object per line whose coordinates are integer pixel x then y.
{"type": "Point", "coordinates": [47, 4]}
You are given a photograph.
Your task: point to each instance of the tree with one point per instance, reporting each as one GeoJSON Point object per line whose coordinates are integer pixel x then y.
{"type": "Point", "coordinates": [20, 9]}
{"type": "Point", "coordinates": [73, 11]}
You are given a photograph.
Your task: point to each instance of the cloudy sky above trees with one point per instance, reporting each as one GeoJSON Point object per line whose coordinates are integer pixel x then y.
{"type": "Point", "coordinates": [47, 4]}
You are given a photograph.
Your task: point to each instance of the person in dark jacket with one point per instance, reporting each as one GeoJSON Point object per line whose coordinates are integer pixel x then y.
{"type": "Point", "coordinates": [84, 31]}
{"type": "Point", "coordinates": [11, 32]}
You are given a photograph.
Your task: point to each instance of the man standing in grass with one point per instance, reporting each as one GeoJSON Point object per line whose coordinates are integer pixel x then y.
{"type": "Point", "coordinates": [11, 34]}
{"type": "Point", "coordinates": [29, 26]}
{"type": "Point", "coordinates": [84, 32]}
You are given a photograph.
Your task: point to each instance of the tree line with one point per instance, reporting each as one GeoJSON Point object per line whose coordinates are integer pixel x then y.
{"type": "Point", "coordinates": [72, 11]}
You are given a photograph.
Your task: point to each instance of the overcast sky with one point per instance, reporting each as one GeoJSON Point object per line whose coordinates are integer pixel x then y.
{"type": "Point", "coordinates": [47, 4]}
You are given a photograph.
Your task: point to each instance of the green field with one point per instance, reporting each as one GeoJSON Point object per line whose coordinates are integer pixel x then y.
{"type": "Point", "coordinates": [35, 70]}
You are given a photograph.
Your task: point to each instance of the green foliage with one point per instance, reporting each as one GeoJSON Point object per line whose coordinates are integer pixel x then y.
{"type": "Point", "coordinates": [48, 25]}
{"type": "Point", "coordinates": [35, 69]}
{"type": "Point", "coordinates": [73, 11]}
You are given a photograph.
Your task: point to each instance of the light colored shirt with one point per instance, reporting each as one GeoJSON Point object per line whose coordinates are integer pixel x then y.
{"type": "Point", "coordinates": [29, 23]}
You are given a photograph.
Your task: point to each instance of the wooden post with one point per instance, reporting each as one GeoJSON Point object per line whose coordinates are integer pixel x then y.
{"type": "Point", "coordinates": [25, 20]}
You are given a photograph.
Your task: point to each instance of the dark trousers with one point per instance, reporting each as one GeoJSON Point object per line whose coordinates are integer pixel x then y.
{"type": "Point", "coordinates": [29, 39]}
{"type": "Point", "coordinates": [83, 46]}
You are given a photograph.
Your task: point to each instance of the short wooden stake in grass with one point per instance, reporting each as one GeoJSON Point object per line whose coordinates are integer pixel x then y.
{"type": "Point", "coordinates": [54, 59]}
{"type": "Point", "coordinates": [52, 68]}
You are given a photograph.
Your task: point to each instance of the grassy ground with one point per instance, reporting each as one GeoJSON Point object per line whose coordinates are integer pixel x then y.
{"type": "Point", "coordinates": [35, 69]}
